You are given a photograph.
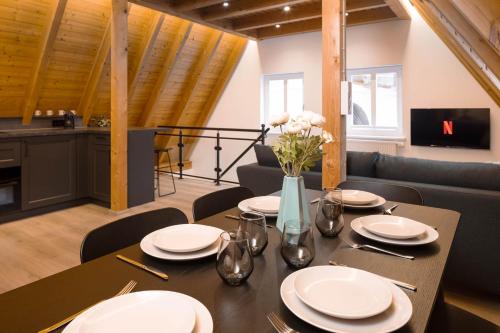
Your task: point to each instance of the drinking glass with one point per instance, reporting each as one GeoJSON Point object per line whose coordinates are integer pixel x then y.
{"type": "Point", "coordinates": [234, 259]}
{"type": "Point", "coordinates": [329, 218]}
{"type": "Point", "coordinates": [255, 225]}
{"type": "Point", "coordinates": [297, 244]}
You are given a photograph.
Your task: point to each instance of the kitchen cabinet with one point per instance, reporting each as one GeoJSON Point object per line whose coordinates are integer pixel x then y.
{"type": "Point", "coordinates": [48, 171]}
{"type": "Point", "coordinates": [100, 167]}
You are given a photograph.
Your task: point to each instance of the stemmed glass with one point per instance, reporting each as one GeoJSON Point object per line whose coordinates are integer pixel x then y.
{"type": "Point", "coordinates": [329, 218]}
{"type": "Point", "coordinates": [297, 244]}
{"type": "Point", "coordinates": [255, 225]}
{"type": "Point", "coordinates": [234, 259]}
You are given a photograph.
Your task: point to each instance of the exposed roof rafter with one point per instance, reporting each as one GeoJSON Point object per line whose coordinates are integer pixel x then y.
{"type": "Point", "coordinates": [181, 37]}
{"type": "Point", "coordinates": [42, 62]}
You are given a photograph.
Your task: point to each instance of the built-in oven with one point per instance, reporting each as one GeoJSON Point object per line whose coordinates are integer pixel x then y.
{"type": "Point", "coordinates": [10, 189]}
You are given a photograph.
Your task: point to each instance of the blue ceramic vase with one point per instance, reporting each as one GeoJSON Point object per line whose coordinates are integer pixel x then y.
{"type": "Point", "coordinates": [294, 208]}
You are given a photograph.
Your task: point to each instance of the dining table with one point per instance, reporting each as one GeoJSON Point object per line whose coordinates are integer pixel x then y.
{"type": "Point", "coordinates": [243, 308]}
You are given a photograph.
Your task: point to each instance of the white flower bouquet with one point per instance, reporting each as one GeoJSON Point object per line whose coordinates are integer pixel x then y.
{"type": "Point", "coordinates": [297, 148]}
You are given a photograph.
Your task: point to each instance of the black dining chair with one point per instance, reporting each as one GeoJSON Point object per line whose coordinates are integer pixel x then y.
{"type": "Point", "coordinates": [127, 231]}
{"type": "Point", "coordinates": [216, 202]}
{"type": "Point", "coordinates": [391, 192]}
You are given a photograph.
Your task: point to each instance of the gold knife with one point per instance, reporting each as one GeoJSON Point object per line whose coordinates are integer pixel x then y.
{"type": "Point", "coordinates": [144, 267]}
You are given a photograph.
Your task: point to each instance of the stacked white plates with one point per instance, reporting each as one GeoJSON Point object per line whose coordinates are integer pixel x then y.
{"type": "Point", "coordinates": [361, 199]}
{"type": "Point", "coordinates": [345, 300]}
{"type": "Point", "coordinates": [267, 205]}
{"type": "Point", "coordinates": [182, 242]}
{"type": "Point", "coordinates": [395, 230]}
{"type": "Point", "coordinates": [145, 311]}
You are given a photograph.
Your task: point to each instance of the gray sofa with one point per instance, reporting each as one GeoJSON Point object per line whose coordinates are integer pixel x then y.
{"type": "Point", "coordinates": [473, 189]}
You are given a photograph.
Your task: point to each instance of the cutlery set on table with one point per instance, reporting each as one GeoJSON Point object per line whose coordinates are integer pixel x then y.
{"type": "Point", "coordinates": [334, 297]}
{"type": "Point", "coordinates": [153, 310]}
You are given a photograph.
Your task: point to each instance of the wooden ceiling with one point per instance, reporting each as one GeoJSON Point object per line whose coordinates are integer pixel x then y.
{"type": "Point", "coordinates": [55, 54]}
{"type": "Point", "coordinates": [261, 19]}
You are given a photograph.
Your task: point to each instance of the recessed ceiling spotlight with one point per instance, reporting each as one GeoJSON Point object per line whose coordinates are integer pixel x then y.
{"type": "Point", "coordinates": [286, 8]}
{"type": "Point", "coordinates": [346, 14]}
{"type": "Point", "coordinates": [278, 26]}
{"type": "Point", "coordinates": [225, 4]}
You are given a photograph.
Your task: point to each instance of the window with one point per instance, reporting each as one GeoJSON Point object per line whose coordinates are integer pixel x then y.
{"type": "Point", "coordinates": [376, 102]}
{"type": "Point", "coordinates": [282, 93]}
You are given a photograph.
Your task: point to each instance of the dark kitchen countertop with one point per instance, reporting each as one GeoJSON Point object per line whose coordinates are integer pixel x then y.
{"type": "Point", "coordinates": [29, 132]}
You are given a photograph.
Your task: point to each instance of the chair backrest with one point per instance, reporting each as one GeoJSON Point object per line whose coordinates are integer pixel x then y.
{"type": "Point", "coordinates": [390, 192]}
{"type": "Point", "coordinates": [127, 231]}
{"type": "Point", "coordinates": [216, 202]}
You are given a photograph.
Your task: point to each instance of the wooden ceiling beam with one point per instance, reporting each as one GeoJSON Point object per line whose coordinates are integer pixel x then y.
{"type": "Point", "coordinates": [357, 5]}
{"type": "Point", "coordinates": [195, 78]}
{"type": "Point", "coordinates": [310, 11]}
{"type": "Point", "coordinates": [278, 16]}
{"type": "Point", "coordinates": [175, 49]}
{"type": "Point", "coordinates": [42, 61]}
{"type": "Point", "coordinates": [88, 97]}
{"type": "Point", "coordinates": [145, 51]}
{"type": "Point", "coordinates": [375, 15]}
{"type": "Point", "coordinates": [219, 87]}
{"type": "Point", "coordinates": [490, 55]}
{"type": "Point", "coordinates": [399, 9]}
{"type": "Point", "coordinates": [379, 14]}
{"type": "Point", "coordinates": [186, 6]}
{"type": "Point", "coordinates": [433, 20]}
{"type": "Point", "coordinates": [484, 15]}
{"type": "Point", "coordinates": [245, 7]}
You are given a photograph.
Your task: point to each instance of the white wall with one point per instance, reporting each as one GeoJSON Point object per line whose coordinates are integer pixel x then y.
{"type": "Point", "coordinates": [432, 78]}
{"type": "Point", "coordinates": [239, 107]}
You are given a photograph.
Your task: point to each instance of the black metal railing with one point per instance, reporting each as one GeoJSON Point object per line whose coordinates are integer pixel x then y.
{"type": "Point", "coordinates": [219, 172]}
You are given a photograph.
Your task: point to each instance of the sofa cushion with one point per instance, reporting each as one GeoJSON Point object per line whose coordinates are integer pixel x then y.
{"type": "Point", "coordinates": [461, 174]}
{"type": "Point", "coordinates": [361, 163]}
{"type": "Point", "coordinates": [265, 157]}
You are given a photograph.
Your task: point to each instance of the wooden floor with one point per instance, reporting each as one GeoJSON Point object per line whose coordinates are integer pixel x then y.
{"type": "Point", "coordinates": [36, 247]}
{"type": "Point", "coordinates": [39, 246]}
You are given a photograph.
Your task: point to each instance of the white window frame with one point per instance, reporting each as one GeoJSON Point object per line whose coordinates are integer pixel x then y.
{"type": "Point", "coordinates": [265, 112]}
{"type": "Point", "coordinates": [373, 131]}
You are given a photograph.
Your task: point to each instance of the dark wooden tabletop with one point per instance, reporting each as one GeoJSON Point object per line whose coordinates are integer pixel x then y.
{"type": "Point", "coordinates": [235, 309]}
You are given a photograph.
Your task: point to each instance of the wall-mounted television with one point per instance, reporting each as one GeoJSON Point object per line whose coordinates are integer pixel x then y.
{"type": "Point", "coordinates": [458, 128]}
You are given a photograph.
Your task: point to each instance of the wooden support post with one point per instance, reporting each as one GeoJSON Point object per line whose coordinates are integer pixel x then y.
{"type": "Point", "coordinates": [42, 62]}
{"type": "Point", "coordinates": [334, 153]}
{"type": "Point", "coordinates": [119, 118]}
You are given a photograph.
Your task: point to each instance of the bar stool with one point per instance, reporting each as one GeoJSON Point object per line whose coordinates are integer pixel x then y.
{"type": "Point", "coordinates": [158, 170]}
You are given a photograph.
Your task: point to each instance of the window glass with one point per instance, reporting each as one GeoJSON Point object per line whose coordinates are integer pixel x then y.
{"type": "Point", "coordinates": [387, 100]}
{"type": "Point", "coordinates": [295, 97]}
{"type": "Point", "coordinates": [376, 102]}
{"type": "Point", "coordinates": [282, 93]}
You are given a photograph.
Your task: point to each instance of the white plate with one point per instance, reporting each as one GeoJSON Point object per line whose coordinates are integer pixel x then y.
{"type": "Point", "coordinates": [266, 204]}
{"type": "Point", "coordinates": [395, 317]}
{"type": "Point", "coordinates": [355, 197]}
{"type": "Point", "coordinates": [380, 202]}
{"type": "Point", "coordinates": [244, 206]}
{"type": "Point", "coordinates": [145, 311]}
{"type": "Point", "coordinates": [148, 247]}
{"type": "Point", "coordinates": [343, 292]}
{"type": "Point", "coordinates": [429, 236]}
{"type": "Point", "coordinates": [183, 238]}
{"type": "Point", "coordinates": [394, 227]}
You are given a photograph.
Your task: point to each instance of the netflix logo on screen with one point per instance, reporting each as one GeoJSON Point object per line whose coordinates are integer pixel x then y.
{"type": "Point", "coordinates": [448, 127]}
{"type": "Point", "coordinates": [459, 128]}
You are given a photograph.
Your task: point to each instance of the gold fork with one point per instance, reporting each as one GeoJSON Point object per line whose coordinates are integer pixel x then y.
{"type": "Point", "coordinates": [127, 289]}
